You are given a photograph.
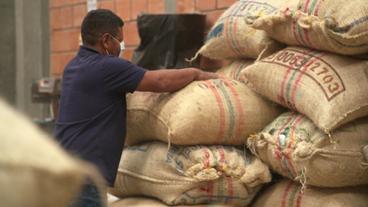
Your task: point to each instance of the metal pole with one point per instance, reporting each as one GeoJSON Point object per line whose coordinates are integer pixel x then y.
{"type": "Point", "coordinates": [170, 6]}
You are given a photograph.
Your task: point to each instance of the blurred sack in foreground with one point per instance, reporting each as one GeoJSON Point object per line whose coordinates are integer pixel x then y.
{"type": "Point", "coordinates": [34, 170]}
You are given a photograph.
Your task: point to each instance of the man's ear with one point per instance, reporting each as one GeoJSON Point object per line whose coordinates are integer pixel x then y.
{"type": "Point", "coordinates": [104, 40]}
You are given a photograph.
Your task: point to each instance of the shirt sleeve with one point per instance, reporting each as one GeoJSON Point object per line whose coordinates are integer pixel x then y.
{"type": "Point", "coordinates": [121, 75]}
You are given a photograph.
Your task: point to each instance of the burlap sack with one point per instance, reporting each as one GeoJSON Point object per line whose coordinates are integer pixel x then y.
{"type": "Point", "coordinates": [217, 111]}
{"type": "Point", "coordinates": [137, 202]}
{"type": "Point", "coordinates": [288, 194]}
{"type": "Point", "coordinates": [337, 26]}
{"type": "Point", "coordinates": [232, 71]}
{"type": "Point", "coordinates": [330, 89]}
{"type": "Point", "coordinates": [295, 148]}
{"type": "Point", "coordinates": [148, 202]}
{"type": "Point", "coordinates": [190, 175]}
{"type": "Point", "coordinates": [34, 170]}
{"type": "Point", "coordinates": [232, 38]}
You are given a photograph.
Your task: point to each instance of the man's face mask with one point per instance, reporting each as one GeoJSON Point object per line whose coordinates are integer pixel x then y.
{"type": "Point", "coordinates": [122, 46]}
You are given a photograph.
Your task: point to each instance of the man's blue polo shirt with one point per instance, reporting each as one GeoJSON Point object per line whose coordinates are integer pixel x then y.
{"type": "Point", "coordinates": [92, 118]}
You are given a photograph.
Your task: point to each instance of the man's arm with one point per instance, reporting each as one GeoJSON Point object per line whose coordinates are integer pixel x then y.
{"type": "Point", "coordinates": [172, 80]}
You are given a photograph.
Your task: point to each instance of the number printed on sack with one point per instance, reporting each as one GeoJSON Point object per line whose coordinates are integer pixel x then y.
{"type": "Point", "coordinates": [312, 66]}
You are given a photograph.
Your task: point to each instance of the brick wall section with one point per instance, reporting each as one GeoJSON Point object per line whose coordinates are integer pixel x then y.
{"type": "Point", "coordinates": [66, 17]}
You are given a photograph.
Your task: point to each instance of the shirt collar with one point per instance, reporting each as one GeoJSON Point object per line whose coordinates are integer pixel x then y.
{"type": "Point", "coordinates": [84, 50]}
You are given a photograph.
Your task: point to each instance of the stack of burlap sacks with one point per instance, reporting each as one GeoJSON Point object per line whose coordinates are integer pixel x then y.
{"type": "Point", "coordinates": [320, 143]}
{"type": "Point", "coordinates": [188, 147]}
{"type": "Point", "coordinates": [317, 145]}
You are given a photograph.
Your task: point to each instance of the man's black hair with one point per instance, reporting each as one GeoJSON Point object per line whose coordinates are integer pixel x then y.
{"type": "Point", "coordinates": [97, 22]}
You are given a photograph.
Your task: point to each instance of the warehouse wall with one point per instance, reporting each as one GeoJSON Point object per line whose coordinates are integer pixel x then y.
{"type": "Point", "coordinates": [7, 50]}
{"type": "Point", "coordinates": [67, 15]}
{"type": "Point", "coordinates": [24, 48]}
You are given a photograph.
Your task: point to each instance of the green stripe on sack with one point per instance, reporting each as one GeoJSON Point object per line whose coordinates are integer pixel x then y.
{"type": "Point", "coordinates": [231, 33]}
{"type": "Point", "coordinates": [312, 7]}
{"type": "Point", "coordinates": [285, 165]}
{"type": "Point", "coordinates": [238, 70]}
{"type": "Point", "coordinates": [230, 108]}
{"type": "Point", "coordinates": [289, 84]}
{"type": "Point", "coordinates": [292, 197]}
{"type": "Point", "coordinates": [300, 32]}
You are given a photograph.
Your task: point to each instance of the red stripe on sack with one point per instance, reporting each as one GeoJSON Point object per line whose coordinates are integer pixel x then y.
{"type": "Point", "coordinates": [290, 80]}
{"type": "Point", "coordinates": [206, 158]}
{"type": "Point", "coordinates": [281, 129]}
{"type": "Point", "coordinates": [296, 84]}
{"type": "Point", "coordinates": [281, 96]}
{"type": "Point", "coordinates": [306, 5]}
{"type": "Point", "coordinates": [293, 25]}
{"type": "Point", "coordinates": [293, 28]}
{"type": "Point", "coordinates": [307, 34]}
{"type": "Point", "coordinates": [222, 154]}
{"type": "Point", "coordinates": [234, 69]}
{"type": "Point", "coordinates": [232, 29]}
{"type": "Point", "coordinates": [238, 106]}
{"type": "Point", "coordinates": [287, 155]}
{"type": "Point", "coordinates": [307, 39]}
{"type": "Point", "coordinates": [317, 8]}
{"type": "Point", "coordinates": [226, 35]}
{"type": "Point", "coordinates": [292, 139]}
{"type": "Point", "coordinates": [300, 75]}
{"type": "Point", "coordinates": [230, 188]}
{"type": "Point", "coordinates": [221, 108]}
{"type": "Point", "coordinates": [299, 199]}
{"type": "Point", "coordinates": [305, 31]}
{"type": "Point", "coordinates": [221, 161]}
{"type": "Point", "coordinates": [304, 39]}
{"type": "Point", "coordinates": [210, 190]}
{"type": "Point", "coordinates": [284, 195]}
{"type": "Point", "coordinates": [290, 167]}
{"type": "Point", "coordinates": [232, 12]}
{"type": "Point", "coordinates": [236, 41]}
{"type": "Point", "coordinates": [277, 152]}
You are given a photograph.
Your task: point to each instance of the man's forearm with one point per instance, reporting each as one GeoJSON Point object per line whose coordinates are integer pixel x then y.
{"type": "Point", "coordinates": [170, 80]}
{"type": "Point", "coordinates": [176, 79]}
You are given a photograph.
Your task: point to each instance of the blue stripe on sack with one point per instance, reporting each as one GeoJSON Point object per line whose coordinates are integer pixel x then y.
{"type": "Point", "coordinates": [215, 32]}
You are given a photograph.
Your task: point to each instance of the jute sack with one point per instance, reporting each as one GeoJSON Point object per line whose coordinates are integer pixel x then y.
{"type": "Point", "coordinates": [149, 202]}
{"type": "Point", "coordinates": [290, 194]}
{"type": "Point", "coordinates": [220, 111]}
{"type": "Point", "coordinates": [232, 71]}
{"type": "Point", "coordinates": [295, 148]}
{"type": "Point", "coordinates": [137, 202]}
{"type": "Point", "coordinates": [34, 170]}
{"type": "Point", "coordinates": [330, 89]}
{"type": "Point", "coordinates": [337, 26]}
{"type": "Point", "coordinates": [190, 175]}
{"type": "Point", "coordinates": [232, 38]}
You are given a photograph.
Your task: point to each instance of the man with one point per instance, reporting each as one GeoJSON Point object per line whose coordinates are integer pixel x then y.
{"type": "Point", "coordinates": [92, 119]}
